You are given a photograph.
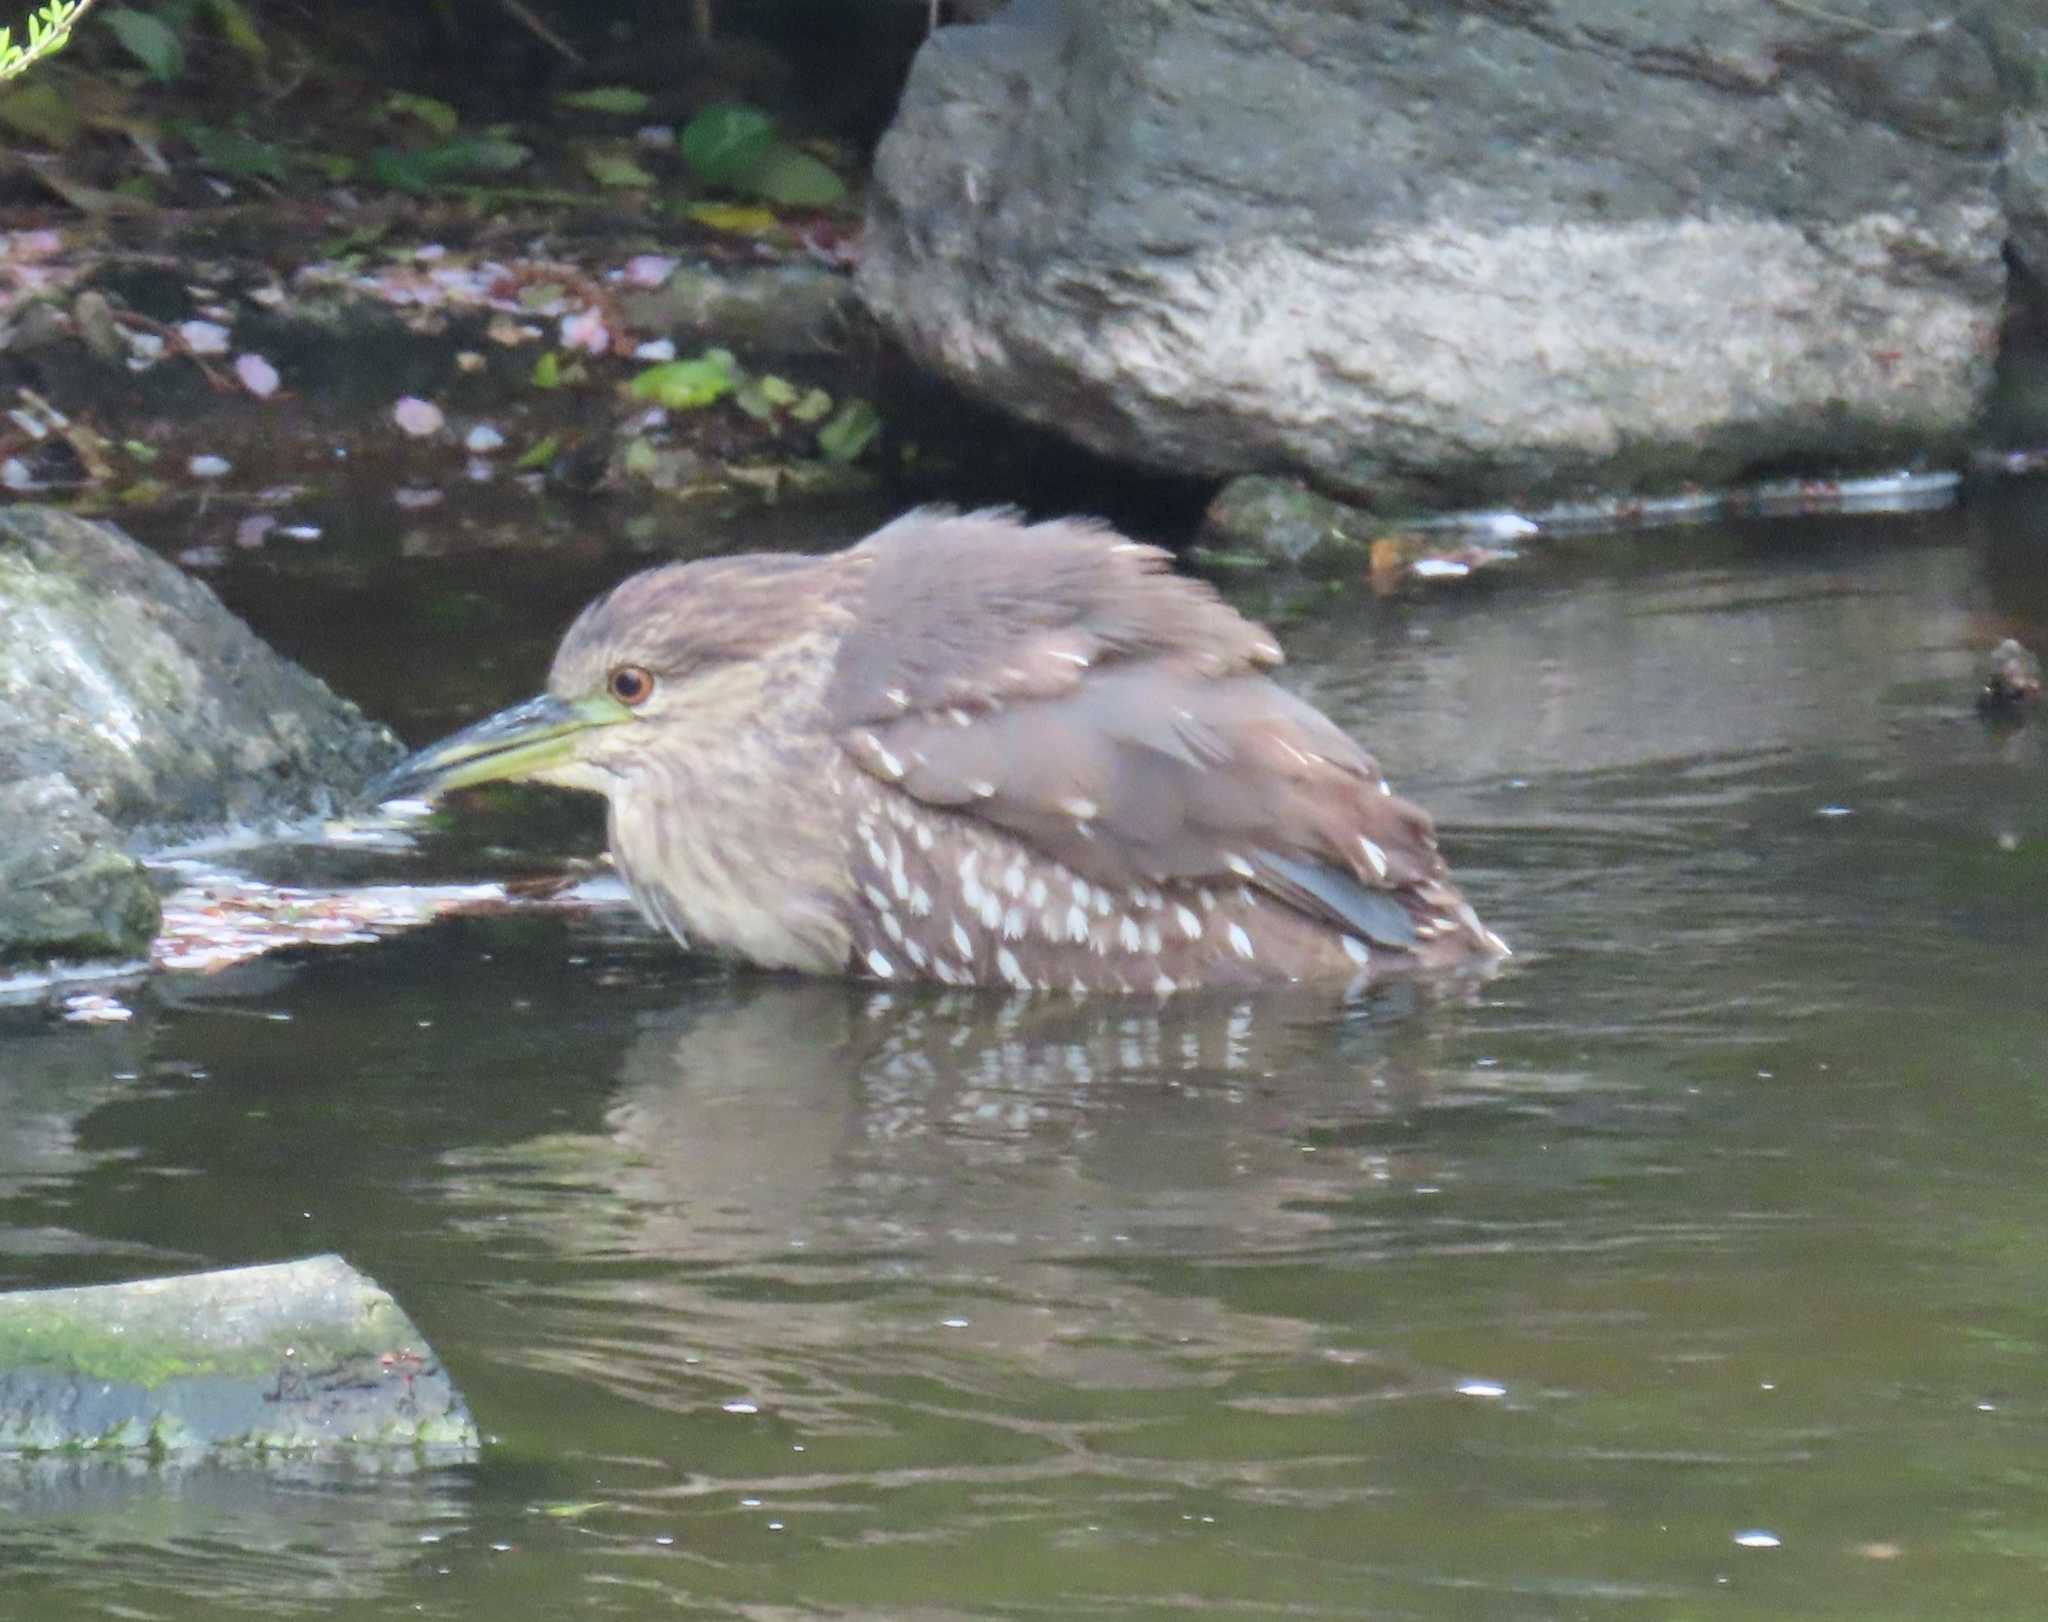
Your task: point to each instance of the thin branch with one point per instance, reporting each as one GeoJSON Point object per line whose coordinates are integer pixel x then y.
{"type": "Point", "coordinates": [540, 30]}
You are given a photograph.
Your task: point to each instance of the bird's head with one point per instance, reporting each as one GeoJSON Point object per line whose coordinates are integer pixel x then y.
{"type": "Point", "coordinates": [669, 664]}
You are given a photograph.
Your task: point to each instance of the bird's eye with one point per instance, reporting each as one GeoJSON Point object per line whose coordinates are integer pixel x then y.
{"type": "Point", "coordinates": [630, 685]}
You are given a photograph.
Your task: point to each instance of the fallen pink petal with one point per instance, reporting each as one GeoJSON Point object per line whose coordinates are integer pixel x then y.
{"type": "Point", "coordinates": [257, 375]}
{"type": "Point", "coordinates": [204, 337]}
{"type": "Point", "coordinates": [586, 330]}
{"type": "Point", "coordinates": [649, 269]}
{"type": "Point", "coordinates": [417, 417]}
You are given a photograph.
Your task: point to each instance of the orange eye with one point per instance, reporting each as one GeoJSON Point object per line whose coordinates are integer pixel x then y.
{"type": "Point", "coordinates": [631, 685]}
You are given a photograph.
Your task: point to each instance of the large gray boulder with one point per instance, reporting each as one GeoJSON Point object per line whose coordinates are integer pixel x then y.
{"type": "Point", "coordinates": [136, 711]}
{"type": "Point", "coordinates": [1462, 252]}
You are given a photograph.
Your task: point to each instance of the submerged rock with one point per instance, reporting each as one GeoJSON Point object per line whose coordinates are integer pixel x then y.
{"type": "Point", "coordinates": [298, 1355]}
{"type": "Point", "coordinates": [1269, 520]}
{"type": "Point", "coordinates": [136, 711]}
{"type": "Point", "coordinates": [1443, 256]}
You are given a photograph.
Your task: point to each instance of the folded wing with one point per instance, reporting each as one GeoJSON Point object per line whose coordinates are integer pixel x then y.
{"type": "Point", "coordinates": [1116, 717]}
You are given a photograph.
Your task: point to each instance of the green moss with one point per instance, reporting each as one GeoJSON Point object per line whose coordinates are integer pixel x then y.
{"type": "Point", "coordinates": [139, 1336]}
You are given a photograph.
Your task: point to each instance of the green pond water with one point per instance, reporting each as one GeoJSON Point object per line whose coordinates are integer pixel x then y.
{"type": "Point", "coordinates": [1694, 1266]}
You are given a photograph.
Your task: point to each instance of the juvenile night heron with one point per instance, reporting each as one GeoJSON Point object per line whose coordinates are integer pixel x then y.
{"type": "Point", "coordinates": [979, 752]}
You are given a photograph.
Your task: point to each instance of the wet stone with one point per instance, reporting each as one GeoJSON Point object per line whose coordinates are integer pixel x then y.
{"type": "Point", "coordinates": [136, 711]}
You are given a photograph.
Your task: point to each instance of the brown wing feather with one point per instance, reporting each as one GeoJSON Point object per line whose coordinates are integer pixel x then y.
{"type": "Point", "coordinates": [1057, 682]}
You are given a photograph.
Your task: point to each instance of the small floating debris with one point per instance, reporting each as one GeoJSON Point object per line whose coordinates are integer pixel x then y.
{"type": "Point", "coordinates": [1757, 1538]}
{"type": "Point", "coordinates": [224, 920]}
{"type": "Point", "coordinates": [214, 919]}
{"type": "Point", "coordinates": [209, 467]}
{"type": "Point", "coordinates": [2012, 679]}
{"type": "Point", "coordinates": [1482, 1388]}
{"type": "Point", "coordinates": [1499, 526]}
{"type": "Point", "coordinates": [1429, 559]}
{"type": "Point", "coordinates": [93, 1008]}
{"type": "Point", "coordinates": [2018, 463]}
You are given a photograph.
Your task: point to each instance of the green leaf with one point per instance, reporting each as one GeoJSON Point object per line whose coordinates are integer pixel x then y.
{"type": "Point", "coordinates": [239, 28]}
{"type": "Point", "coordinates": [794, 179]}
{"type": "Point", "coordinates": [753, 400]}
{"type": "Point", "coordinates": [725, 141]}
{"type": "Point", "coordinates": [540, 453]}
{"type": "Point", "coordinates": [487, 154]}
{"type": "Point", "coordinates": [684, 385]}
{"type": "Point", "coordinates": [812, 407]}
{"type": "Point", "coordinates": [49, 31]}
{"type": "Point", "coordinates": [417, 171]}
{"type": "Point", "coordinates": [615, 169]}
{"type": "Point", "coordinates": [232, 153]}
{"type": "Point", "coordinates": [42, 112]}
{"type": "Point", "coordinates": [401, 171]}
{"type": "Point", "coordinates": [851, 432]}
{"type": "Point", "coordinates": [765, 397]}
{"type": "Point", "coordinates": [547, 371]}
{"type": "Point", "coordinates": [149, 40]}
{"type": "Point", "coordinates": [573, 1510]}
{"type": "Point", "coordinates": [438, 116]}
{"type": "Point", "coordinates": [608, 99]}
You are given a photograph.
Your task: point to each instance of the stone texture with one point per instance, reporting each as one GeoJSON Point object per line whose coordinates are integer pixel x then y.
{"type": "Point", "coordinates": [292, 1356]}
{"type": "Point", "coordinates": [1457, 252]}
{"type": "Point", "coordinates": [2026, 191]}
{"type": "Point", "coordinates": [1267, 520]}
{"type": "Point", "coordinates": [771, 310]}
{"type": "Point", "coordinates": [2018, 38]}
{"type": "Point", "coordinates": [67, 888]}
{"type": "Point", "coordinates": [135, 711]}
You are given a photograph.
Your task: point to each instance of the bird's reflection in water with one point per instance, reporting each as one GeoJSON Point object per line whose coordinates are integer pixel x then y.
{"type": "Point", "coordinates": [765, 1114]}
{"type": "Point", "coordinates": [799, 1179]}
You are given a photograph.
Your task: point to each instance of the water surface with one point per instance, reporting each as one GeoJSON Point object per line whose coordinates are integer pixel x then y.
{"type": "Point", "coordinates": [1695, 1265]}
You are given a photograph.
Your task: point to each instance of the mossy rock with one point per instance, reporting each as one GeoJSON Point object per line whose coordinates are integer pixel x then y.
{"type": "Point", "coordinates": [282, 1358]}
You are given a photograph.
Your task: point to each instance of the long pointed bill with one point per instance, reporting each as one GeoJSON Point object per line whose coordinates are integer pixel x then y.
{"type": "Point", "coordinates": [528, 740]}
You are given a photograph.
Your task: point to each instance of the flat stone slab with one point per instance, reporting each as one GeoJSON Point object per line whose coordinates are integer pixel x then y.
{"type": "Point", "coordinates": [293, 1356]}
